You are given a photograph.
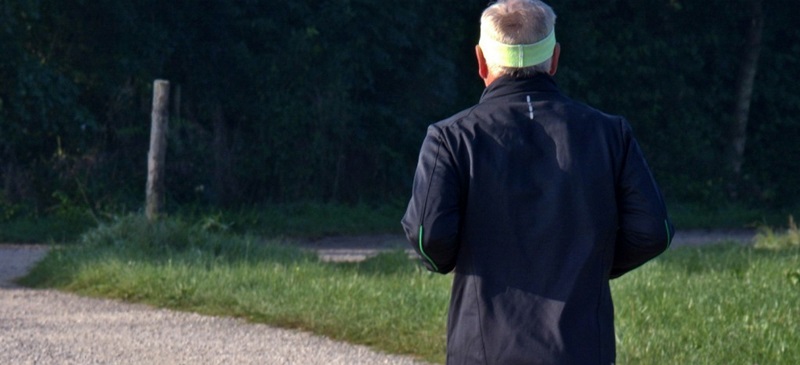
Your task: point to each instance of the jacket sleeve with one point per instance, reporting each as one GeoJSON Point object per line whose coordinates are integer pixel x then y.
{"type": "Point", "coordinates": [645, 230]}
{"type": "Point", "coordinates": [431, 221]}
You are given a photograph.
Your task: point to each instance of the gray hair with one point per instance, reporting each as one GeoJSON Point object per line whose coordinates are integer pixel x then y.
{"type": "Point", "coordinates": [518, 22]}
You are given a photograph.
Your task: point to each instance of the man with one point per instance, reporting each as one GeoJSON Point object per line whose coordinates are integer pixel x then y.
{"type": "Point", "coordinates": [535, 201]}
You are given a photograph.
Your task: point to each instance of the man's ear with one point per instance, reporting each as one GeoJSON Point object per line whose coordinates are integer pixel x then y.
{"type": "Point", "coordinates": [554, 59]}
{"type": "Point", "coordinates": [483, 70]}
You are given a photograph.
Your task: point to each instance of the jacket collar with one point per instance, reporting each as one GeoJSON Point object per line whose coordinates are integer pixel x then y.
{"type": "Point", "coordinates": [507, 85]}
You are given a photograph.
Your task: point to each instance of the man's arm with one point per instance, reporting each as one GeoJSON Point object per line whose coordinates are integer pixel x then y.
{"type": "Point", "coordinates": [645, 230]}
{"type": "Point", "coordinates": [432, 219]}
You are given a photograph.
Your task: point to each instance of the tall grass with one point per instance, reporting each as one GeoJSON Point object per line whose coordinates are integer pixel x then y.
{"type": "Point", "coordinates": [725, 216]}
{"type": "Point", "coordinates": [710, 305]}
{"type": "Point", "coordinates": [296, 220]}
{"type": "Point", "coordinates": [304, 220]}
{"type": "Point", "coordinates": [48, 228]}
{"type": "Point", "coordinates": [768, 238]}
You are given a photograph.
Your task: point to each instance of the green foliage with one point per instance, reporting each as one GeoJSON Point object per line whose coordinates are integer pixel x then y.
{"type": "Point", "coordinates": [327, 101]}
{"type": "Point", "coordinates": [63, 223]}
{"type": "Point", "coordinates": [668, 70]}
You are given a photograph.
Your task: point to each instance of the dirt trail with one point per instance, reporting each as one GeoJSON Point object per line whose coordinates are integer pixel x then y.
{"type": "Point", "coordinates": [16, 260]}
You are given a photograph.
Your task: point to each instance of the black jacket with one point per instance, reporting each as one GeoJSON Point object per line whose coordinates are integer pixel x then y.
{"type": "Point", "coordinates": [536, 201]}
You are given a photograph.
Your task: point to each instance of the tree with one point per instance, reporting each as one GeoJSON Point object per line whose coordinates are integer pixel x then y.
{"type": "Point", "coordinates": [328, 100]}
{"type": "Point", "coordinates": [748, 66]}
{"type": "Point", "coordinates": [41, 119]}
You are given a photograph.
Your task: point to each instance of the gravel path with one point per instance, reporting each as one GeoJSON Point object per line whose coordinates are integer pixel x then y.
{"type": "Point", "coordinates": [50, 327]}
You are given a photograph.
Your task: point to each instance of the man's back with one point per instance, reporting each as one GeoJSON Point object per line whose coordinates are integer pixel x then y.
{"type": "Point", "coordinates": [538, 181]}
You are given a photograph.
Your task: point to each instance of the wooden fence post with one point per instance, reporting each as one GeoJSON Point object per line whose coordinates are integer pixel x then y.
{"type": "Point", "coordinates": [158, 148]}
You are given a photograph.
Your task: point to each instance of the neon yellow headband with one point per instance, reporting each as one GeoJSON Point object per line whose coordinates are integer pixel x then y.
{"type": "Point", "coordinates": [518, 55]}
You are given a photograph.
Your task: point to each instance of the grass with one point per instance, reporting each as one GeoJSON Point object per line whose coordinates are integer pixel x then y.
{"type": "Point", "coordinates": [315, 220]}
{"type": "Point", "coordinates": [723, 304]}
{"type": "Point", "coordinates": [50, 228]}
{"type": "Point", "coordinates": [711, 305]}
{"type": "Point", "coordinates": [304, 220]}
{"type": "Point", "coordinates": [296, 220]}
{"type": "Point", "coordinates": [724, 216]}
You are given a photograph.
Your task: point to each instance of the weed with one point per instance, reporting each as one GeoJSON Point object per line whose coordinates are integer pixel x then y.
{"type": "Point", "coordinates": [767, 238]}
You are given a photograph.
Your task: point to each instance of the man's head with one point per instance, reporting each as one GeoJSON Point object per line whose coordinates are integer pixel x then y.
{"type": "Point", "coordinates": [517, 39]}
